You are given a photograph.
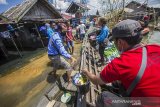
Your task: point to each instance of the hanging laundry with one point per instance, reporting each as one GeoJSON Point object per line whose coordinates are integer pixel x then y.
{"type": "Point", "coordinates": [5, 34]}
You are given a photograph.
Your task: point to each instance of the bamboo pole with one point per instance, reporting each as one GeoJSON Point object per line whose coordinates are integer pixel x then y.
{"type": "Point", "coordinates": [14, 43]}
{"type": "Point", "coordinates": [39, 36]}
{"type": "Point", "coordinates": [154, 15]}
{"type": "Point", "coordinates": [123, 9]}
{"type": "Point", "coordinates": [4, 53]}
{"type": "Point", "coordinates": [18, 38]}
{"type": "Point", "coordinates": [95, 67]}
{"type": "Point", "coordinates": [92, 93]}
{"type": "Point", "coordinates": [1, 47]}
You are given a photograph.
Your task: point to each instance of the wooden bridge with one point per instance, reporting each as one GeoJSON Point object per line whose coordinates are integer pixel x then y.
{"type": "Point", "coordinates": [88, 60]}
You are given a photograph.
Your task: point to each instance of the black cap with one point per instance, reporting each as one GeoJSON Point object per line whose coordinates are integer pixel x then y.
{"type": "Point", "coordinates": [126, 28]}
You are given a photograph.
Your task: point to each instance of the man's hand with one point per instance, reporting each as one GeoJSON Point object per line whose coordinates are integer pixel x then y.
{"type": "Point", "coordinates": [95, 79]}
{"type": "Point", "coordinates": [73, 60]}
{"type": "Point", "coordinates": [84, 71]}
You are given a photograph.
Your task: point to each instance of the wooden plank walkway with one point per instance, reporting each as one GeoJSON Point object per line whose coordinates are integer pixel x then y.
{"type": "Point", "coordinates": [88, 61]}
{"type": "Point", "coordinates": [52, 97]}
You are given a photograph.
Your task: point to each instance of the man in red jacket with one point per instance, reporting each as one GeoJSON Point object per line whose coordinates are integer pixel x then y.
{"type": "Point", "coordinates": [138, 67]}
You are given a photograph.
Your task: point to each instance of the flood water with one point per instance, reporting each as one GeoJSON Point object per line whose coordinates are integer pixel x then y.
{"type": "Point", "coordinates": [28, 82]}
{"type": "Point", "coordinates": [155, 37]}
{"type": "Point", "coordinates": [24, 85]}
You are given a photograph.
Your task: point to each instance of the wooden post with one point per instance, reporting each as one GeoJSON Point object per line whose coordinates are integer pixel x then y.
{"type": "Point", "coordinates": [123, 9]}
{"type": "Point", "coordinates": [3, 49]}
{"type": "Point", "coordinates": [39, 36]}
{"type": "Point", "coordinates": [4, 52]}
{"type": "Point", "coordinates": [55, 4]}
{"type": "Point", "coordinates": [19, 37]}
{"type": "Point", "coordinates": [16, 46]}
{"type": "Point", "coordinates": [93, 95]}
{"type": "Point", "coordinates": [154, 14]}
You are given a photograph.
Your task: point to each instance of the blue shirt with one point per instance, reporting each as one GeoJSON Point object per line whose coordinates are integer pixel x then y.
{"type": "Point", "coordinates": [43, 30]}
{"type": "Point", "coordinates": [58, 48]}
{"type": "Point", "coordinates": [103, 34]}
{"type": "Point", "coordinates": [53, 30]}
{"type": "Point", "coordinates": [49, 32]}
{"type": "Point", "coordinates": [46, 30]}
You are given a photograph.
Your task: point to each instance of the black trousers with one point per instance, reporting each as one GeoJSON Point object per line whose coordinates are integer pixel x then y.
{"type": "Point", "coordinates": [101, 51]}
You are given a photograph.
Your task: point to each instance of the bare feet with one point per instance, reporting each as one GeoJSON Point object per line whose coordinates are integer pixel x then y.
{"type": "Point", "coordinates": [69, 85]}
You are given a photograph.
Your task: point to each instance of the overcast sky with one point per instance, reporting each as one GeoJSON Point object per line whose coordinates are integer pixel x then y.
{"type": "Point", "coordinates": [93, 4]}
{"type": "Point", "coordinates": [6, 4]}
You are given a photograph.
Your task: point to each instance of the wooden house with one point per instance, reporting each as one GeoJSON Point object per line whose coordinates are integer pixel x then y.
{"type": "Point", "coordinates": [136, 11]}
{"type": "Point", "coordinates": [30, 14]}
{"type": "Point", "coordinates": [26, 18]}
{"type": "Point", "coordinates": [74, 7]}
{"type": "Point", "coordinates": [78, 10]}
{"type": "Point", "coordinates": [3, 50]}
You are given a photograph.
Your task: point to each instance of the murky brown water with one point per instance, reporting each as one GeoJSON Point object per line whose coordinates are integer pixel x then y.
{"type": "Point", "coordinates": [25, 86]}
{"type": "Point", "coordinates": [18, 84]}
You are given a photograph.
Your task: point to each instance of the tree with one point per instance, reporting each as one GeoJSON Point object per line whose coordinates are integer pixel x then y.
{"type": "Point", "coordinates": [111, 10]}
{"type": "Point", "coordinates": [97, 13]}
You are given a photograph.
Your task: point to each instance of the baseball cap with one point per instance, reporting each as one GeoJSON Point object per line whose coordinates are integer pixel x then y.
{"type": "Point", "coordinates": [126, 28]}
{"type": "Point", "coordinates": [47, 25]}
{"type": "Point", "coordinates": [42, 28]}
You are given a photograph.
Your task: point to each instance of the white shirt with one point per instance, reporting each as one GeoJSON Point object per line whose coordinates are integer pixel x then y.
{"type": "Point", "coordinates": [91, 23]}
{"type": "Point", "coordinates": [82, 28]}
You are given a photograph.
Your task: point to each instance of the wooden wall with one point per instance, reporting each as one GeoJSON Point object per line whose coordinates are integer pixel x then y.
{"type": "Point", "coordinates": [39, 11]}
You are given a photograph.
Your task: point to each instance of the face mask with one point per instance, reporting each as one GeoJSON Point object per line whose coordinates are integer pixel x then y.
{"type": "Point", "coordinates": [121, 51]}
